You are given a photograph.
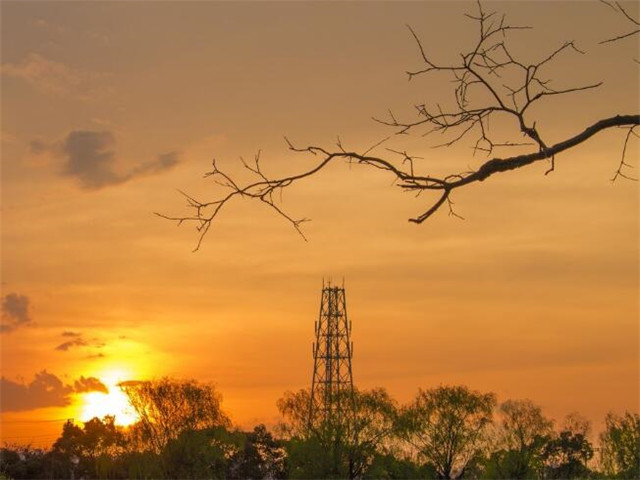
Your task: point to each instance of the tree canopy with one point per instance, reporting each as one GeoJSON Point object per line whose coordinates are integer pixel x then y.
{"type": "Point", "coordinates": [339, 446]}
{"type": "Point", "coordinates": [447, 425]}
{"type": "Point", "coordinates": [167, 407]}
{"type": "Point", "coordinates": [444, 432]}
{"type": "Point", "coordinates": [620, 445]}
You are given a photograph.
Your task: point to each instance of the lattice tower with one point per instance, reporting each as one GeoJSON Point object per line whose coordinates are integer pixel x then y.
{"type": "Point", "coordinates": [332, 385]}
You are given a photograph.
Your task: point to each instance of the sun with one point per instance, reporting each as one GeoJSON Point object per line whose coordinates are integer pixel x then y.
{"type": "Point", "coordinates": [116, 403]}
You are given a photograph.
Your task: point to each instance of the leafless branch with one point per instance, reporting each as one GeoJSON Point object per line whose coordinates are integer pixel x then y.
{"type": "Point", "coordinates": [488, 81]}
{"type": "Point", "coordinates": [623, 164]}
{"type": "Point", "coordinates": [485, 69]}
{"type": "Point", "coordinates": [618, 8]}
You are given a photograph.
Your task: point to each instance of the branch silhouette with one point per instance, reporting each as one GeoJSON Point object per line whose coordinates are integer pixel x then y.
{"type": "Point", "coordinates": [489, 81]}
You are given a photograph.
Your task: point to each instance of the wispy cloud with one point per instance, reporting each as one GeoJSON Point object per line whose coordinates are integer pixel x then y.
{"type": "Point", "coordinates": [57, 78]}
{"type": "Point", "coordinates": [68, 333]}
{"type": "Point", "coordinates": [163, 161]}
{"type": "Point", "coordinates": [77, 340]}
{"type": "Point", "coordinates": [90, 157]}
{"type": "Point", "coordinates": [130, 383]}
{"type": "Point", "coordinates": [42, 24]}
{"type": "Point", "coordinates": [45, 390]}
{"type": "Point", "coordinates": [15, 312]}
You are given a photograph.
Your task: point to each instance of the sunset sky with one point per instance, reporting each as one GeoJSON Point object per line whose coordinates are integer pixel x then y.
{"type": "Point", "coordinates": [110, 108]}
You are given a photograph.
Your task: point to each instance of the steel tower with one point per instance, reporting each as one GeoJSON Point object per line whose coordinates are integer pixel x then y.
{"type": "Point", "coordinates": [331, 400]}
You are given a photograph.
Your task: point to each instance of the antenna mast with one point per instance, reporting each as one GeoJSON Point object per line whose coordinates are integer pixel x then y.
{"type": "Point", "coordinates": [332, 384]}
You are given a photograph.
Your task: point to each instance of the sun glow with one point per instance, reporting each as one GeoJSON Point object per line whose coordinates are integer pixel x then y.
{"type": "Point", "coordinates": [116, 403]}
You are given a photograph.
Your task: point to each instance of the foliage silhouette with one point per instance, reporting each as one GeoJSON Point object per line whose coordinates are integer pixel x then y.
{"type": "Point", "coordinates": [167, 407]}
{"type": "Point", "coordinates": [448, 427]}
{"type": "Point", "coordinates": [520, 439]}
{"type": "Point", "coordinates": [567, 456]}
{"type": "Point", "coordinates": [342, 447]}
{"type": "Point", "coordinates": [445, 432]}
{"type": "Point", "coordinates": [620, 446]}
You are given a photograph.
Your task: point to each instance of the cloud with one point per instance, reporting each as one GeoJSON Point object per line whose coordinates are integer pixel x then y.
{"type": "Point", "coordinates": [68, 333]}
{"type": "Point", "coordinates": [38, 147]}
{"type": "Point", "coordinates": [89, 384]}
{"type": "Point", "coordinates": [7, 137]}
{"type": "Point", "coordinates": [57, 78]}
{"type": "Point", "coordinates": [163, 162]}
{"type": "Point", "coordinates": [130, 383]}
{"type": "Point", "coordinates": [42, 24]}
{"type": "Point", "coordinates": [39, 22]}
{"type": "Point", "coordinates": [16, 307]}
{"type": "Point", "coordinates": [45, 390]}
{"type": "Point", "coordinates": [77, 340]}
{"type": "Point", "coordinates": [15, 312]}
{"type": "Point", "coordinates": [89, 156]}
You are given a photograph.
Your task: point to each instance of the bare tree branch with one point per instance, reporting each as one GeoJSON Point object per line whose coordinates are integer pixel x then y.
{"type": "Point", "coordinates": [623, 164]}
{"type": "Point", "coordinates": [489, 81]}
{"type": "Point", "coordinates": [616, 7]}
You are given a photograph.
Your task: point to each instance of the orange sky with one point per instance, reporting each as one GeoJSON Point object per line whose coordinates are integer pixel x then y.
{"type": "Point", "coordinates": [534, 295]}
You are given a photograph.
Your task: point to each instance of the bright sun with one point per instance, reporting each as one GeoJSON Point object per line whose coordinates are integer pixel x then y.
{"type": "Point", "coordinates": [116, 403]}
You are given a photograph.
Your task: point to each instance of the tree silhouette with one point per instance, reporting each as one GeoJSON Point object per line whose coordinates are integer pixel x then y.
{"type": "Point", "coordinates": [567, 456]}
{"type": "Point", "coordinates": [447, 425]}
{"type": "Point", "coordinates": [620, 446]}
{"type": "Point", "coordinates": [168, 407]}
{"type": "Point", "coordinates": [521, 436]}
{"type": "Point", "coordinates": [339, 446]}
{"type": "Point", "coordinates": [449, 428]}
{"type": "Point", "coordinates": [491, 83]}
{"type": "Point", "coordinates": [201, 453]}
{"type": "Point", "coordinates": [261, 456]}
{"type": "Point", "coordinates": [90, 450]}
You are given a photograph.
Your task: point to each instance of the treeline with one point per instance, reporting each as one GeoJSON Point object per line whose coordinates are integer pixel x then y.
{"type": "Point", "coordinates": [445, 432]}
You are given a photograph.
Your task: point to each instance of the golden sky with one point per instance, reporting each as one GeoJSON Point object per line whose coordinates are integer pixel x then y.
{"type": "Point", "coordinates": [109, 108]}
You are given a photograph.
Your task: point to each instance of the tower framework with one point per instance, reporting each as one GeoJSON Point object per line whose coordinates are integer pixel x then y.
{"type": "Point", "coordinates": [332, 398]}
